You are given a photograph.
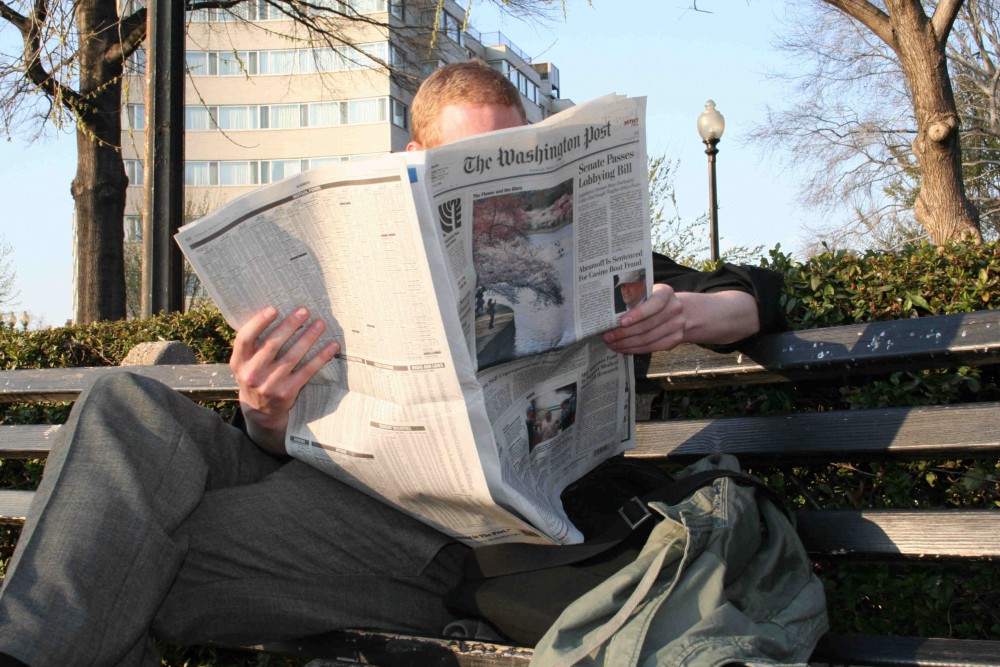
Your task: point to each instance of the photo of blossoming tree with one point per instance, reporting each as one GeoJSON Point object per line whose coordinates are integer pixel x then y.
{"type": "Point", "coordinates": [522, 252]}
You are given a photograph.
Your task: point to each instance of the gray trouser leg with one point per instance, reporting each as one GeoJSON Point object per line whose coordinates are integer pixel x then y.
{"type": "Point", "coordinates": [299, 554]}
{"type": "Point", "coordinates": [153, 511]}
{"type": "Point", "coordinates": [98, 553]}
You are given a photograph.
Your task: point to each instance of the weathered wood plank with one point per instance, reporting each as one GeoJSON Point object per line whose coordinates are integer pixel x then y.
{"type": "Point", "coordinates": [927, 342]}
{"type": "Point", "coordinates": [968, 430]}
{"type": "Point", "coordinates": [200, 381]}
{"type": "Point", "coordinates": [14, 505]}
{"type": "Point", "coordinates": [894, 651]}
{"type": "Point", "coordinates": [394, 650]}
{"type": "Point", "coordinates": [27, 441]}
{"type": "Point", "coordinates": [912, 533]}
{"type": "Point", "coordinates": [950, 430]}
{"type": "Point", "coordinates": [875, 651]}
{"type": "Point", "coordinates": [390, 650]}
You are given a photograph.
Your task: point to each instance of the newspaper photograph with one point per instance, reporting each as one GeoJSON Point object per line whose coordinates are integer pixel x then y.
{"type": "Point", "coordinates": [471, 385]}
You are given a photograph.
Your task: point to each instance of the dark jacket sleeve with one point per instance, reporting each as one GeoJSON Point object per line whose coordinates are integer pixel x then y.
{"type": "Point", "coordinates": [763, 285]}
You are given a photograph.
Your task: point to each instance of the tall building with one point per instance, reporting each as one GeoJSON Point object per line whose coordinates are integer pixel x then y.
{"type": "Point", "coordinates": [267, 98]}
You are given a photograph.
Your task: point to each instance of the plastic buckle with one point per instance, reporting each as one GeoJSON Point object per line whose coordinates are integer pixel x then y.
{"type": "Point", "coordinates": [634, 512]}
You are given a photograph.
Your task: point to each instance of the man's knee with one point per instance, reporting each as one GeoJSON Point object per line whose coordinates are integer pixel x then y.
{"type": "Point", "coordinates": [123, 388]}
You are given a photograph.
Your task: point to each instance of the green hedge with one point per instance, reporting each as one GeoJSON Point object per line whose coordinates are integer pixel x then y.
{"type": "Point", "coordinates": [827, 290]}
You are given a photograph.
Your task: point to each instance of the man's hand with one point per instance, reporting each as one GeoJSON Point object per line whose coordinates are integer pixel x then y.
{"type": "Point", "coordinates": [667, 318]}
{"type": "Point", "coordinates": [655, 324]}
{"type": "Point", "coordinates": [269, 384]}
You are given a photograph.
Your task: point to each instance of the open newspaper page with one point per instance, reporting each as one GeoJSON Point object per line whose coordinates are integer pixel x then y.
{"type": "Point", "coordinates": [391, 414]}
{"type": "Point", "coordinates": [545, 230]}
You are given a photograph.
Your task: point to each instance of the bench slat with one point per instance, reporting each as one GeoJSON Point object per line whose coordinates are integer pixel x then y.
{"type": "Point", "coordinates": [926, 342]}
{"type": "Point", "coordinates": [949, 430]}
{"type": "Point", "coordinates": [14, 505]}
{"type": "Point", "coordinates": [390, 650]}
{"type": "Point", "coordinates": [199, 381]}
{"type": "Point", "coordinates": [965, 339]}
{"type": "Point", "coordinates": [912, 533]}
{"type": "Point", "coordinates": [893, 651]}
{"type": "Point", "coordinates": [27, 441]}
{"type": "Point", "coordinates": [925, 432]}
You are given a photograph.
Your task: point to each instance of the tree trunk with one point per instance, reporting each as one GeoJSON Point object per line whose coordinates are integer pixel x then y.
{"type": "Point", "coordinates": [941, 207]}
{"type": "Point", "coordinates": [100, 182]}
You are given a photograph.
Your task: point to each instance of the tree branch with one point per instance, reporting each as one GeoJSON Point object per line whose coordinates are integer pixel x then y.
{"type": "Point", "coordinates": [30, 28]}
{"type": "Point", "coordinates": [868, 15]}
{"type": "Point", "coordinates": [17, 20]}
{"type": "Point", "coordinates": [132, 32]}
{"type": "Point", "coordinates": [944, 18]}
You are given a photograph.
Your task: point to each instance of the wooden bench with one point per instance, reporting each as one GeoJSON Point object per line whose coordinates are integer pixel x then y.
{"type": "Point", "coordinates": [833, 355]}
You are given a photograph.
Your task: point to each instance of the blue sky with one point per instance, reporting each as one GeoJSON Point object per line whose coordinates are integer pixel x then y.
{"type": "Point", "coordinates": [676, 57]}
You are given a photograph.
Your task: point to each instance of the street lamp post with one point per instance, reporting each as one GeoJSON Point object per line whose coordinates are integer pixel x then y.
{"type": "Point", "coordinates": [11, 319]}
{"type": "Point", "coordinates": [25, 320]}
{"type": "Point", "coordinates": [711, 125]}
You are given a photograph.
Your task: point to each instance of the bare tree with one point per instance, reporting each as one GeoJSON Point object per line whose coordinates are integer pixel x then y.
{"type": "Point", "coordinates": [974, 58]}
{"type": "Point", "coordinates": [8, 275]}
{"type": "Point", "coordinates": [69, 73]}
{"type": "Point", "coordinates": [877, 115]}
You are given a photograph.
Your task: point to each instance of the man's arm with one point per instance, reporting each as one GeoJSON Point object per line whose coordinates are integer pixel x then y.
{"type": "Point", "coordinates": [667, 318]}
{"type": "Point", "coordinates": [269, 384]}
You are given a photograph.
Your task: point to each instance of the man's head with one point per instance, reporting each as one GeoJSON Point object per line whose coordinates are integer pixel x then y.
{"type": "Point", "coordinates": [461, 100]}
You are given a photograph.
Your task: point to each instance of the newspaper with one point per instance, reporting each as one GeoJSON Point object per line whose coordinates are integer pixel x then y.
{"type": "Point", "coordinates": [467, 286]}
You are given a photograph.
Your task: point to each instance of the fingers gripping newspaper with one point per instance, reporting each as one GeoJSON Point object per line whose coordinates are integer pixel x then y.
{"type": "Point", "coordinates": [467, 286]}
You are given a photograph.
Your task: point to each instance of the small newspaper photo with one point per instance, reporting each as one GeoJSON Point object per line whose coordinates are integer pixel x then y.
{"type": "Point", "coordinates": [467, 286]}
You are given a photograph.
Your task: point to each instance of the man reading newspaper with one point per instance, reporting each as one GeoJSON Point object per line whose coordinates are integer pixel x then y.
{"type": "Point", "coordinates": [157, 518]}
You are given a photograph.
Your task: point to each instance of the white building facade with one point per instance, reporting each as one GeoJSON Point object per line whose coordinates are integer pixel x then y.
{"type": "Point", "coordinates": [265, 98]}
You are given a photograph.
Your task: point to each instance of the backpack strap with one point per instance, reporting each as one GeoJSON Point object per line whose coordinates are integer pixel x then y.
{"type": "Point", "coordinates": [512, 557]}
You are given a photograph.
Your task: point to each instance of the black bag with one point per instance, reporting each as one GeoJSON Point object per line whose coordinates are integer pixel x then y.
{"type": "Point", "coordinates": [520, 589]}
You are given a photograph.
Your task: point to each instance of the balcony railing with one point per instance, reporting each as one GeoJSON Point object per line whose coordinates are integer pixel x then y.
{"type": "Point", "coordinates": [499, 39]}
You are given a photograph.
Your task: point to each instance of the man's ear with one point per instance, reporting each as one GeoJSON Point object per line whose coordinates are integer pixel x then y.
{"type": "Point", "coordinates": [414, 146]}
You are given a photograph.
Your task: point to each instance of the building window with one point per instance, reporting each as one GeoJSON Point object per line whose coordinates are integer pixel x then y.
{"type": "Point", "coordinates": [367, 6]}
{"type": "Point", "coordinates": [450, 27]}
{"type": "Point", "coordinates": [285, 116]}
{"type": "Point", "coordinates": [521, 81]}
{"type": "Point", "coordinates": [134, 116]}
{"type": "Point", "coordinates": [133, 228]}
{"type": "Point", "coordinates": [262, 10]}
{"type": "Point", "coordinates": [323, 161]}
{"type": "Point", "coordinates": [232, 63]}
{"type": "Point", "coordinates": [134, 171]}
{"type": "Point", "coordinates": [198, 119]}
{"type": "Point", "coordinates": [196, 63]}
{"type": "Point", "coordinates": [283, 168]}
{"type": "Point", "coordinates": [399, 114]}
{"type": "Point", "coordinates": [136, 63]}
{"type": "Point", "coordinates": [278, 62]}
{"type": "Point", "coordinates": [237, 117]}
{"type": "Point", "coordinates": [201, 173]}
{"type": "Point", "coordinates": [129, 7]}
{"type": "Point", "coordinates": [288, 116]}
{"type": "Point", "coordinates": [326, 114]}
{"type": "Point", "coordinates": [238, 172]}
{"type": "Point", "coordinates": [251, 10]}
{"type": "Point", "coordinates": [366, 111]}
{"type": "Point", "coordinates": [288, 61]}
{"type": "Point", "coordinates": [396, 57]}
{"type": "Point", "coordinates": [427, 67]}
